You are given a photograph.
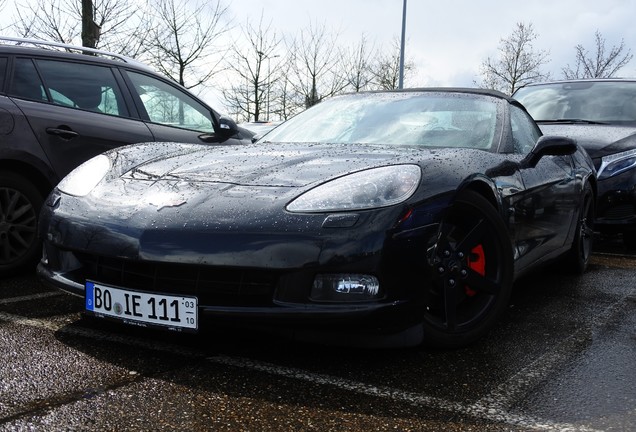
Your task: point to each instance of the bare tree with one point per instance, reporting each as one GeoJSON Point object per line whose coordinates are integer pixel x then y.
{"type": "Point", "coordinates": [250, 94]}
{"type": "Point", "coordinates": [121, 28]}
{"type": "Point", "coordinates": [600, 64]}
{"type": "Point", "coordinates": [315, 65]}
{"type": "Point", "coordinates": [386, 71]}
{"type": "Point", "coordinates": [61, 21]}
{"type": "Point", "coordinates": [518, 63]}
{"type": "Point", "coordinates": [52, 21]}
{"type": "Point", "coordinates": [184, 39]}
{"type": "Point", "coordinates": [357, 70]}
{"type": "Point", "coordinates": [288, 102]}
{"type": "Point", "coordinates": [2, 8]}
{"type": "Point", "coordinates": [90, 29]}
{"type": "Point", "coordinates": [178, 37]}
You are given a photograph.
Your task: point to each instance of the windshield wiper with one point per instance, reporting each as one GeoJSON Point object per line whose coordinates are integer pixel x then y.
{"type": "Point", "coordinates": [573, 121]}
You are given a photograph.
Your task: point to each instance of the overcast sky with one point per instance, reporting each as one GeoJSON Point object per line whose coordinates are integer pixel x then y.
{"type": "Point", "coordinates": [448, 40]}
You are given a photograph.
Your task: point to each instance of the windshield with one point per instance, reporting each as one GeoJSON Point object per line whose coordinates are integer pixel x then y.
{"type": "Point", "coordinates": [430, 119]}
{"type": "Point", "coordinates": [604, 102]}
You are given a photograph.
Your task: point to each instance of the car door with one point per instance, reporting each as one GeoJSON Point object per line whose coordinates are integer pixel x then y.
{"type": "Point", "coordinates": [544, 212]}
{"type": "Point", "coordinates": [76, 110]}
{"type": "Point", "coordinates": [171, 113]}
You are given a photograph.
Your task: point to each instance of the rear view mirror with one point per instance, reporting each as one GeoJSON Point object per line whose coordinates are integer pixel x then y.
{"type": "Point", "coordinates": [228, 126]}
{"type": "Point", "coordinates": [550, 146]}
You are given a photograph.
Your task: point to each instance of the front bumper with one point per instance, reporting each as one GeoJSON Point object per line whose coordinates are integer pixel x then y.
{"type": "Point", "coordinates": [275, 294]}
{"type": "Point", "coordinates": [385, 323]}
{"type": "Point", "coordinates": [616, 204]}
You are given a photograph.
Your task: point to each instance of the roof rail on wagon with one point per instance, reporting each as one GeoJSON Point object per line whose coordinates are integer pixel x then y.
{"type": "Point", "coordinates": [40, 43]}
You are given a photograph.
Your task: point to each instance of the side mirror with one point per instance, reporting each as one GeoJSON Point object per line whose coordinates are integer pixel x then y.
{"type": "Point", "coordinates": [549, 146]}
{"type": "Point", "coordinates": [228, 126]}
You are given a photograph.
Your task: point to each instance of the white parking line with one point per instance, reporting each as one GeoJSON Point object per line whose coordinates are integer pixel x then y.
{"type": "Point", "coordinates": [525, 380]}
{"type": "Point", "coordinates": [479, 411]}
{"type": "Point", "coordinates": [61, 325]}
{"type": "Point", "coordinates": [31, 322]}
{"type": "Point", "coordinates": [485, 409]}
{"type": "Point", "coordinates": [492, 407]}
{"type": "Point", "coordinates": [30, 297]}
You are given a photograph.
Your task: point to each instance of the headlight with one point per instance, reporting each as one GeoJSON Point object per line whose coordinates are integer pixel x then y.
{"type": "Point", "coordinates": [373, 188]}
{"type": "Point", "coordinates": [84, 178]}
{"type": "Point", "coordinates": [617, 163]}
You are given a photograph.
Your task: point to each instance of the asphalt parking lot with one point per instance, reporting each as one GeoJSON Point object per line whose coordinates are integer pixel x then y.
{"type": "Point", "coordinates": [562, 359]}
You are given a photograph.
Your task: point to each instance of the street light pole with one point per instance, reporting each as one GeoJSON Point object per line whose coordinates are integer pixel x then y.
{"type": "Point", "coordinates": [401, 80]}
{"type": "Point", "coordinates": [261, 56]}
{"type": "Point", "coordinates": [269, 81]}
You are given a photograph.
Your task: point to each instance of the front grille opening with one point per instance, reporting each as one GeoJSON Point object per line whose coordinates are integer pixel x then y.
{"type": "Point", "coordinates": [623, 211]}
{"type": "Point", "coordinates": [219, 286]}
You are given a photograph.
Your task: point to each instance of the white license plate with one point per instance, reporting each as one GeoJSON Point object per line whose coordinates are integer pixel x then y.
{"type": "Point", "coordinates": [176, 312]}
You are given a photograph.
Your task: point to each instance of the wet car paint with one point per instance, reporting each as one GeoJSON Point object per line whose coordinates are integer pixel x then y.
{"type": "Point", "coordinates": [598, 114]}
{"type": "Point", "coordinates": [616, 202]}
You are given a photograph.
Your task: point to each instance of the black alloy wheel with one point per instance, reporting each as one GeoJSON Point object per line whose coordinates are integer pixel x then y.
{"type": "Point", "coordinates": [472, 265]}
{"type": "Point", "coordinates": [20, 204]}
{"type": "Point", "coordinates": [579, 255]}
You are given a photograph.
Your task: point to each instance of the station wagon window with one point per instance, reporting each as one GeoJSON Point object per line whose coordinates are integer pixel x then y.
{"type": "Point", "coordinates": [84, 86]}
{"type": "Point", "coordinates": [524, 131]}
{"type": "Point", "coordinates": [3, 71]}
{"type": "Point", "coordinates": [26, 81]}
{"type": "Point", "coordinates": [167, 105]}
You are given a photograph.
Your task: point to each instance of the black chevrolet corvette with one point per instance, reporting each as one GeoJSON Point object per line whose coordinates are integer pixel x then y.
{"type": "Point", "coordinates": [392, 217]}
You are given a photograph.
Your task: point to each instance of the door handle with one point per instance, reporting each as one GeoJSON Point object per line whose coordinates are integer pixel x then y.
{"type": "Point", "coordinates": [208, 138]}
{"type": "Point", "coordinates": [62, 133]}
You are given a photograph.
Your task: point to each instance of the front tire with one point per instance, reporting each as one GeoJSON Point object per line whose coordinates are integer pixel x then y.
{"type": "Point", "coordinates": [579, 255]}
{"type": "Point", "coordinates": [20, 204]}
{"type": "Point", "coordinates": [472, 264]}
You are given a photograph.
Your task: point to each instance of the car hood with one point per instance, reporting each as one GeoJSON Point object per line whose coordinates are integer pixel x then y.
{"type": "Point", "coordinates": [598, 140]}
{"type": "Point", "coordinates": [180, 201]}
{"type": "Point", "coordinates": [267, 165]}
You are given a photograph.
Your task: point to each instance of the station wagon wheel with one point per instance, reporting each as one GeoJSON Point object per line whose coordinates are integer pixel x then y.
{"type": "Point", "coordinates": [472, 266]}
{"type": "Point", "coordinates": [20, 204]}
{"type": "Point", "coordinates": [579, 255]}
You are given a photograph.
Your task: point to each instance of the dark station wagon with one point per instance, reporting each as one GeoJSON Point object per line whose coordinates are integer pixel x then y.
{"type": "Point", "coordinates": [59, 109]}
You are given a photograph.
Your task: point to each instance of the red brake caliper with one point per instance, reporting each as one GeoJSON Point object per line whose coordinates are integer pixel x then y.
{"type": "Point", "coordinates": [477, 263]}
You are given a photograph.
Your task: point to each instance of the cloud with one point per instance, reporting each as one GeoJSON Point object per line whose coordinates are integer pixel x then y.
{"type": "Point", "coordinates": [449, 40]}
